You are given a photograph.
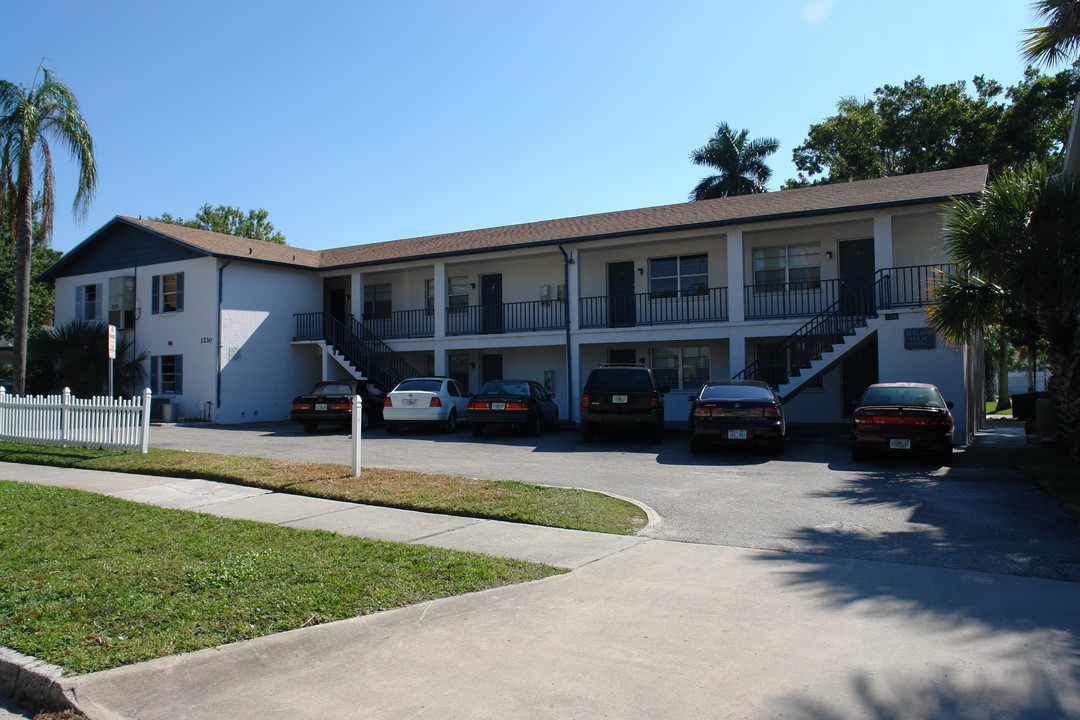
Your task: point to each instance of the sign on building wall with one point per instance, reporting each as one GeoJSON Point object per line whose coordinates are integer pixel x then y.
{"type": "Point", "coordinates": [919, 339]}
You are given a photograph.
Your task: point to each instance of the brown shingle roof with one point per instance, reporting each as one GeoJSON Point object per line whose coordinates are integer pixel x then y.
{"type": "Point", "coordinates": [822, 199]}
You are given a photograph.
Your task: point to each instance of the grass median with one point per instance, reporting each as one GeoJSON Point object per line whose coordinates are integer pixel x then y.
{"type": "Point", "coordinates": [449, 494]}
{"type": "Point", "coordinates": [90, 582]}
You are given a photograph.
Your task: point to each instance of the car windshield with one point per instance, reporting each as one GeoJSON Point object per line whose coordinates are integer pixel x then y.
{"type": "Point", "coordinates": [910, 396]}
{"type": "Point", "coordinates": [735, 392]}
{"type": "Point", "coordinates": [619, 380]}
{"type": "Point", "coordinates": [500, 387]}
{"type": "Point", "coordinates": [420, 386]}
{"type": "Point", "coordinates": [333, 389]}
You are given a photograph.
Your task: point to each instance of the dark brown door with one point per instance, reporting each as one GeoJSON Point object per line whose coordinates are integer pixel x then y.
{"type": "Point", "coordinates": [621, 311]}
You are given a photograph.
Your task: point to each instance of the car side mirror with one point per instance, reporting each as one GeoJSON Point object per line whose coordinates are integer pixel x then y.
{"type": "Point", "coordinates": [691, 398]}
{"type": "Point", "coordinates": [950, 405]}
{"type": "Point", "coordinates": [779, 398]}
{"type": "Point", "coordinates": [665, 389]}
{"type": "Point", "coordinates": [551, 396]}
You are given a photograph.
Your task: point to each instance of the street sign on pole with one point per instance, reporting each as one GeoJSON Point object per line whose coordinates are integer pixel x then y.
{"type": "Point", "coordinates": [112, 356]}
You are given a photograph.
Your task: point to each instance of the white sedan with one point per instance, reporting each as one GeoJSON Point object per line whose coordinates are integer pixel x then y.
{"type": "Point", "coordinates": [425, 401]}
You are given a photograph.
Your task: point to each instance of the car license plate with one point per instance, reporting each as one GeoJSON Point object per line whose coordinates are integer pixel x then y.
{"type": "Point", "coordinates": [899, 444]}
{"type": "Point", "coordinates": [619, 399]}
{"type": "Point", "coordinates": [736, 434]}
{"type": "Point", "coordinates": [408, 402]}
{"type": "Point", "coordinates": [498, 406]}
{"type": "Point", "coordinates": [320, 406]}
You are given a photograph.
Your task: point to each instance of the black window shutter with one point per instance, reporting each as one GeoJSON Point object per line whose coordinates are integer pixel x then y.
{"type": "Point", "coordinates": [155, 363]}
{"type": "Point", "coordinates": [179, 374]}
{"type": "Point", "coordinates": [155, 291]}
{"type": "Point", "coordinates": [179, 292]}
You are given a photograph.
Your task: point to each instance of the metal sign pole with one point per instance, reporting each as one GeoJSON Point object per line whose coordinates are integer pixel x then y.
{"type": "Point", "coordinates": [112, 356]}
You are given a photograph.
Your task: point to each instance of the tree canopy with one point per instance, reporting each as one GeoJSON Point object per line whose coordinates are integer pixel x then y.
{"type": "Point", "coordinates": [740, 163]}
{"type": "Point", "coordinates": [916, 127]}
{"type": "Point", "coordinates": [230, 221]}
{"type": "Point", "coordinates": [1058, 40]}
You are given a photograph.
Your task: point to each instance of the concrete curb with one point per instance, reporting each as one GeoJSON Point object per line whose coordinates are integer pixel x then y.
{"type": "Point", "coordinates": [29, 681]}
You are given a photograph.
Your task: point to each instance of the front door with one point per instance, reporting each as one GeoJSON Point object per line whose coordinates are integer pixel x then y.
{"type": "Point", "coordinates": [621, 311]}
{"type": "Point", "coordinates": [858, 372]}
{"type": "Point", "coordinates": [491, 309]}
{"type": "Point", "coordinates": [491, 368]}
{"type": "Point", "coordinates": [856, 275]}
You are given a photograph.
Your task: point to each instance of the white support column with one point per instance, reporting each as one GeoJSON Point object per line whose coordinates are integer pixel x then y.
{"type": "Point", "coordinates": [572, 292]}
{"type": "Point", "coordinates": [736, 353]}
{"type": "Point", "coordinates": [883, 247]}
{"type": "Point", "coordinates": [736, 265]}
{"type": "Point", "coordinates": [356, 295]}
{"type": "Point", "coordinates": [442, 299]}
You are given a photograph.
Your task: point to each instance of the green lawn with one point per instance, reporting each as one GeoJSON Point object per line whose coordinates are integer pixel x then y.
{"type": "Point", "coordinates": [91, 582]}
{"type": "Point", "coordinates": [496, 500]}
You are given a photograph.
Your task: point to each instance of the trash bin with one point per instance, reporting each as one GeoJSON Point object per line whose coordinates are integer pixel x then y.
{"type": "Point", "coordinates": [1023, 404]}
{"type": "Point", "coordinates": [168, 412]}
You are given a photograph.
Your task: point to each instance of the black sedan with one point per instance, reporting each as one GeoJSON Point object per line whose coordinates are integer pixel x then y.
{"type": "Point", "coordinates": [330, 402]}
{"type": "Point", "coordinates": [737, 412]}
{"type": "Point", "coordinates": [513, 403]}
{"type": "Point", "coordinates": [903, 417]}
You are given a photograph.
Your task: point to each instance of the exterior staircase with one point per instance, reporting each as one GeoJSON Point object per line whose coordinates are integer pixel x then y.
{"type": "Point", "coordinates": [842, 328]}
{"type": "Point", "coordinates": [362, 353]}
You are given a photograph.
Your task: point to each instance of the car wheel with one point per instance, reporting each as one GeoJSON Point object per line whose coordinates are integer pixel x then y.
{"type": "Point", "coordinates": [588, 433]}
{"type": "Point", "coordinates": [858, 453]}
{"type": "Point", "coordinates": [392, 428]}
{"type": "Point", "coordinates": [310, 427]}
{"type": "Point", "coordinates": [696, 445]}
{"type": "Point", "coordinates": [946, 457]}
{"type": "Point", "coordinates": [477, 429]}
{"type": "Point", "coordinates": [451, 422]}
{"type": "Point", "coordinates": [364, 421]}
{"type": "Point", "coordinates": [534, 426]}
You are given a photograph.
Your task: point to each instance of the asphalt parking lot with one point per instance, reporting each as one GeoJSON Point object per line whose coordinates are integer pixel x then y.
{"type": "Point", "coordinates": [977, 515]}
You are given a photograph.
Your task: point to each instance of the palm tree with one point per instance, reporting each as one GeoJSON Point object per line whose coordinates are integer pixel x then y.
{"type": "Point", "coordinates": [29, 118]}
{"type": "Point", "coordinates": [1059, 39]}
{"type": "Point", "coordinates": [1018, 245]}
{"type": "Point", "coordinates": [740, 162]}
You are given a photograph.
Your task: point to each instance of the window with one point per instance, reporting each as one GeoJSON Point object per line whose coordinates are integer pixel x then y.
{"type": "Point", "coordinates": [167, 293]}
{"type": "Point", "coordinates": [167, 374]}
{"type": "Point", "coordinates": [679, 276]}
{"type": "Point", "coordinates": [88, 303]}
{"type": "Point", "coordinates": [377, 301]}
{"type": "Point", "coordinates": [429, 296]}
{"type": "Point", "coordinates": [681, 368]}
{"type": "Point", "coordinates": [797, 266]}
{"type": "Point", "coordinates": [459, 294]}
{"type": "Point", "coordinates": [459, 368]}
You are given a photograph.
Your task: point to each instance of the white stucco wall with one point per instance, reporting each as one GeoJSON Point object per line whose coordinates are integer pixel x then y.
{"type": "Point", "coordinates": [261, 372]}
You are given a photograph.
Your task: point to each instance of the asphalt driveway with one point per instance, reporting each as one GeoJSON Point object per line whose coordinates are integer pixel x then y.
{"type": "Point", "coordinates": [978, 515]}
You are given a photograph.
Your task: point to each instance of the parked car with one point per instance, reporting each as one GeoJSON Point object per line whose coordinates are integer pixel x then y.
{"type": "Point", "coordinates": [7, 385]}
{"type": "Point", "coordinates": [902, 417]}
{"type": "Point", "coordinates": [513, 403]}
{"type": "Point", "coordinates": [622, 396]}
{"type": "Point", "coordinates": [425, 401]}
{"type": "Point", "coordinates": [737, 412]}
{"type": "Point", "coordinates": [330, 401]}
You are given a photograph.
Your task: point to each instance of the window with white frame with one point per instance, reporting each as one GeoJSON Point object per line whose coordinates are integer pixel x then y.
{"type": "Point", "coordinates": [684, 368]}
{"type": "Point", "coordinates": [458, 300]}
{"type": "Point", "coordinates": [679, 275]}
{"type": "Point", "coordinates": [377, 301]}
{"type": "Point", "coordinates": [88, 303]}
{"type": "Point", "coordinates": [167, 374]}
{"type": "Point", "coordinates": [167, 293]}
{"type": "Point", "coordinates": [794, 267]}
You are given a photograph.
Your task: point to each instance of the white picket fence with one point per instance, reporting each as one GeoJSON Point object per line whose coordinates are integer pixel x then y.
{"type": "Point", "coordinates": [115, 423]}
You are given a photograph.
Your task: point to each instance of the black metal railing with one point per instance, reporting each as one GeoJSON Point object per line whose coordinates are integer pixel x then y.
{"type": "Point", "coordinates": [359, 345]}
{"type": "Point", "coordinates": [653, 308]}
{"type": "Point", "coordinates": [506, 317]}
{"type": "Point", "coordinates": [911, 286]}
{"type": "Point", "coordinates": [403, 324]}
{"type": "Point", "coordinates": [781, 300]}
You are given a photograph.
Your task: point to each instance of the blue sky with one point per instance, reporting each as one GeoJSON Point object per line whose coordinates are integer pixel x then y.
{"type": "Point", "coordinates": [355, 122]}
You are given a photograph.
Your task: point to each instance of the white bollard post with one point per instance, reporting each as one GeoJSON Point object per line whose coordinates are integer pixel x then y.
{"type": "Point", "coordinates": [357, 410]}
{"type": "Point", "coordinates": [144, 441]}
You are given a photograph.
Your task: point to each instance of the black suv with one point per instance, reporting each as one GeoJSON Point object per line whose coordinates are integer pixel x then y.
{"type": "Point", "coordinates": [622, 395]}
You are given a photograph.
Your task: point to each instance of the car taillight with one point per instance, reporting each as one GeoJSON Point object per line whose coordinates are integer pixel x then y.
{"type": "Point", "coordinates": [435, 402]}
{"type": "Point", "coordinates": [341, 406]}
{"type": "Point", "coordinates": [655, 401]}
{"type": "Point", "coordinates": [517, 405]}
{"type": "Point", "coordinates": [585, 401]}
{"type": "Point", "coordinates": [479, 406]}
{"type": "Point", "coordinates": [861, 418]}
{"type": "Point", "coordinates": [387, 402]}
{"type": "Point", "coordinates": [772, 412]}
{"type": "Point", "coordinates": [301, 406]}
{"type": "Point", "coordinates": [701, 412]}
